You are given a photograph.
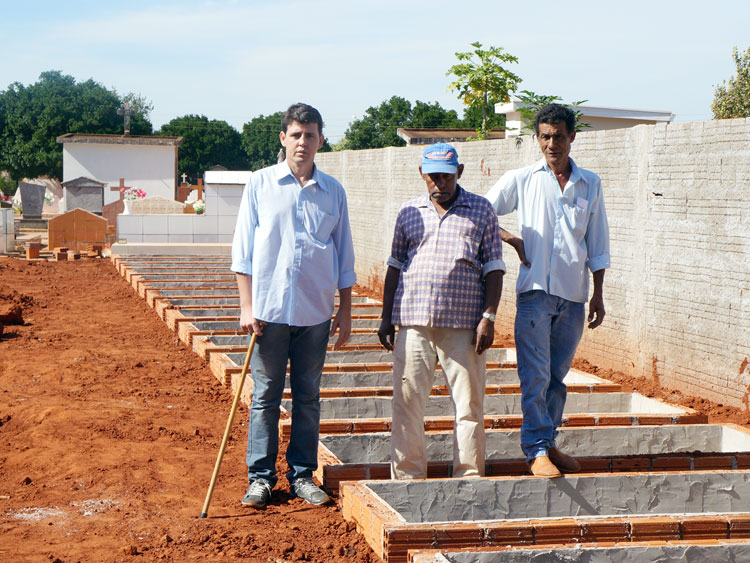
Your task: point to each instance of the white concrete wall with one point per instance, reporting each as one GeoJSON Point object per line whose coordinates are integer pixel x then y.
{"type": "Point", "coordinates": [216, 225]}
{"type": "Point", "coordinates": [7, 230]}
{"type": "Point", "coordinates": [678, 201]}
{"type": "Point", "coordinates": [149, 167]}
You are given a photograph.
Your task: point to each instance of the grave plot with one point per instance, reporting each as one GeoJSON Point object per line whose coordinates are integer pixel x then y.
{"type": "Point", "coordinates": [372, 414]}
{"type": "Point", "coordinates": [729, 551]}
{"type": "Point", "coordinates": [396, 516]}
{"type": "Point", "coordinates": [605, 449]}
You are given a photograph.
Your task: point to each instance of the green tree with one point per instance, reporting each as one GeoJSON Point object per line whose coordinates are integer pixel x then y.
{"type": "Point", "coordinates": [32, 117]}
{"type": "Point", "coordinates": [377, 128]}
{"type": "Point", "coordinates": [732, 99]}
{"type": "Point", "coordinates": [473, 116]}
{"type": "Point", "coordinates": [482, 81]}
{"type": "Point", "coordinates": [205, 143]}
{"type": "Point", "coordinates": [260, 140]}
{"type": "Point", "coordinates": [533, 102]}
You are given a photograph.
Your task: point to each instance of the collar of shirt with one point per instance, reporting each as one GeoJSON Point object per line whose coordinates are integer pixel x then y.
{"type": "Point", "coordinates": [461, 200]}
{"type": "Point", "coordinates": [284, 175]}
{"type": "Point", "coordinates": [575, 172]}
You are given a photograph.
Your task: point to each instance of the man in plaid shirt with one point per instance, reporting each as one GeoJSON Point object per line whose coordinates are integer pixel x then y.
{"type": "Point", "coordinates": [442, 288]}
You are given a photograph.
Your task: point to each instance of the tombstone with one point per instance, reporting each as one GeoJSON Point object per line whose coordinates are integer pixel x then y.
{"type": "Point", "coordinates": [76, 230]}
{"type": "Point", "coordinates": [156, 205]}
{"type": "Point", "coordinates": [84, 193]}
{"type": "Point", "coordinates": [32, 200]}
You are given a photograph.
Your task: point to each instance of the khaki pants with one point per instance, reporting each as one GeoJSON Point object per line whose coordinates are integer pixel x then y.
{"type": "Point", "coordinates": [415, 356]}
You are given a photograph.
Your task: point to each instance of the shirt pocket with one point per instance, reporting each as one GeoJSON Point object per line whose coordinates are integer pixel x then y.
{"type": "Point", "coordinates": [579, 219]}
{"type": "Point", "coordinates": [467, 247]}
{"type": "Point", "coordinates": [318, 223]}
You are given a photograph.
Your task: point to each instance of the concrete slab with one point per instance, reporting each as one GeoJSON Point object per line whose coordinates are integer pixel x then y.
{"type": "Point", "coordinates": [586, 441]}
{"type": "Point", "coordinates": [592, 403]}
{"type": "Point", "coordinates": [172, 249]}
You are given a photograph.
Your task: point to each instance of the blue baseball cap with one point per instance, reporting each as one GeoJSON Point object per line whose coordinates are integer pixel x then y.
{"type": "Point", "coordinates": [440, 158]}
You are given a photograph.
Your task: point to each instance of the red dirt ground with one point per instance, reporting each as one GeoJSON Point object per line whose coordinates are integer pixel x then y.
{"type": "Point", "coordinates": [109, 430]}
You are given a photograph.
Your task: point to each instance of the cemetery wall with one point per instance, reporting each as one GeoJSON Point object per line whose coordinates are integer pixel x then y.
{"type": "Point", "coordinates": [678, 201]}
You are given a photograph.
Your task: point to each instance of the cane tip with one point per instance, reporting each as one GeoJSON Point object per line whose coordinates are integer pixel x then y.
{"type": "Point", "coordinates": [203, 515]}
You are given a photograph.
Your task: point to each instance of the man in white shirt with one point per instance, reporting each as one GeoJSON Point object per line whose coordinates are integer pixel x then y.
{"type": "Point", "coordinates": [292, 250]}
{"type": "Point", "coordinates": [564, 232]}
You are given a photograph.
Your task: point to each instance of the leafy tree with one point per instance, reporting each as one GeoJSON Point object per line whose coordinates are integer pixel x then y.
{"type": "Point", "coordinates": [481, 80]}
{"type": "Point", "coordinates": [535, 102]}
{"type": "Point", "coordinates": [260, 140]}
{"type": "Point", "coordinates": [32, 117]}
{"type": "Point", "coordinates": [473, 116]}
{"type": "Point", "coordinates": [205, 143]}
{"type": "Point", "coordinates": [377, 128]}
{"type": "Point", "coordinates": [7, 186]}
{"type": "Point", "coordinates": [732, 99]}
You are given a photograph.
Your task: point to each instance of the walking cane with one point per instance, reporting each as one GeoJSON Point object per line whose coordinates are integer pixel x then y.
{"type": "Point", "coordinates": [236, 401]}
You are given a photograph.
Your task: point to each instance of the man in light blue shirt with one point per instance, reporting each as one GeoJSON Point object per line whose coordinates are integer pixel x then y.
{"type": "Point", "coordinates": [564, 232]}
{"type": "Point", "coordinates": [292, 250]}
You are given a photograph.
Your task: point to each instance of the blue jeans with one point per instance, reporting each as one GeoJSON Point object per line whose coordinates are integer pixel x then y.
{"type": "Point", "coordinates": [304, 347]}
{"type": "Point", "coordinates": [547, 332]}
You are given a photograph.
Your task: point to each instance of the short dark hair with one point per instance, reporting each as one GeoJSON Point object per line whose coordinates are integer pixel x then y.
{"type": "Point", "coordinates": [301, 113]}
{"type": "Point", "coordinates": [555, 113]}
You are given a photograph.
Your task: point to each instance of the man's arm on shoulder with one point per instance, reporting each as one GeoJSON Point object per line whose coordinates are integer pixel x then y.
{"type": "Point", "coordinates": [504, 199]}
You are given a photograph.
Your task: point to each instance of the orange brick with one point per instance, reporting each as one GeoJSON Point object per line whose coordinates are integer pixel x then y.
{"type": "Point", "coordinates": [743, 461]}
{"type": "Point", "coordinates": [595, 464]}
{"type": "Point", "coordinates": [510, 533]}
{"type": "Point", "coordinates": [739, 526]}
{"type": "Point", "coordinates": [605, 531]}
{"type": "Point", "coordinates": [615, 420]}
{"type": "Point", "coordinates": [704, 528]}
{"type": "Point", "coordinates": [579, 420]}
{"type": "Point", "coordinates": [713, 462]}
{"type": "Point", "coordinates": [556, 531]}
{"type": "Point", "coordinates": [654, 529]}
{"type": "Point", "coordinates": [459, 535]}
{"type": "Point", "coordinates": [667, 463]}
{"type": "Point", "coordinates": [631, 464]}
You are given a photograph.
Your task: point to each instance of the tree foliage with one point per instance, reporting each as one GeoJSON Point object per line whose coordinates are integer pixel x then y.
{"type": "Point", "coordinates": [205, 143]}
{"type": "Point", "coordinates": [377, 128]}
{"type": "Point", "coordinates": [482, 81]}
{"type": "Point", "coordinates": [533, 102]}
{"type": "Point", "coordinates": [32, 117]}
{"type": "Point", "coordinates": [732, 99]}
{"type": "Point", "coordinates": [260, 140]}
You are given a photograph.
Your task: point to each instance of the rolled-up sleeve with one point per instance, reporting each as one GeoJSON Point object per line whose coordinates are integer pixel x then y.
{"type": "Point", "coordinates": [504, 194]}
{"type": "Point", "coordinates": [244, 232]}
{"type": "Point", "coordinates": [342, 240]}
{"type": "Point", "coordinates": [597, 234]}
{"type": "Point", "coordinates": [399, 245]}
{"type": "Point", "coordinates": [491, 247]}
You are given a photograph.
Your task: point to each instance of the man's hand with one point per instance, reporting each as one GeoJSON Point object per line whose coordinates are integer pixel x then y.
{"type": "Point", "coordinates": [250, 324]}
{"type": "Point", "coordinates": [596, 310]}
{"type": "Point", "coordinates": [387, 334]}
{"type": "Point", "coordinates": [517, 243]}
{"type": "Point", "coordinates": [484, 336]}
{"type": "Point", "coordinates": [343, 322]}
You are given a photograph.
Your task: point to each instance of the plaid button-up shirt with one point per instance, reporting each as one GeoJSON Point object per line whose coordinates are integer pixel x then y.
{"type": "Point", "coordinates": [443, 261]}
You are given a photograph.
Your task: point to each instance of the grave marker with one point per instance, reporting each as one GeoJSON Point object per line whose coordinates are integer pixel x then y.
{"type": "Point", "coordinates": [84, 193]}
{"type": "Point", "coordinates": [32, 200]}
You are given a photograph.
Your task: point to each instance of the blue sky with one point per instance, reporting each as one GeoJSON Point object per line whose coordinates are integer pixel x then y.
{"type": "Point", "coordinates": [234, 60]}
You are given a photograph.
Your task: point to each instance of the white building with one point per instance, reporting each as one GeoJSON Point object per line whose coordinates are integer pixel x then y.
{"type": "Point", "coordinates": [597, 117]}
{"type": "Point", "coordinates": [149, 163]}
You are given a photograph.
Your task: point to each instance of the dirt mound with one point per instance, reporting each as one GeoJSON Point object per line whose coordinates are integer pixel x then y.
{"type": "Point", "coordinates": [11, 306]}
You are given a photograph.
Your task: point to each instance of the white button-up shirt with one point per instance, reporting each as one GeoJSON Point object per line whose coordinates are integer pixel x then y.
{"type": "Point", "coordinates": [296, 243]}
{"type": "Point", "coordinates": [563, 231]}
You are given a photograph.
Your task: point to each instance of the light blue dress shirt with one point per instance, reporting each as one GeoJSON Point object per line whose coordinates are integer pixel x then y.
{"type": "Point", "coordinates": [296, 243]}
{"type": "Point", "coordinates": [563, 232]}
